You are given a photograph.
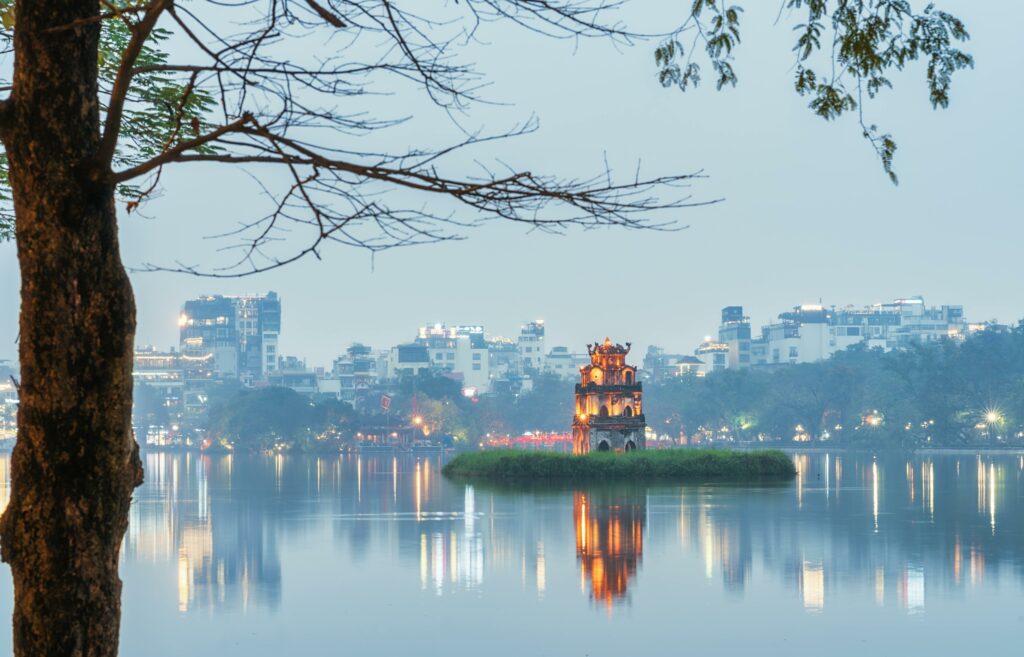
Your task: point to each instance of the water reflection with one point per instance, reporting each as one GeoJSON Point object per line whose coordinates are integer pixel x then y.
{"type": "Point", "coordinates": [222, 541]}
{"type": "Point", "coordinates": [609, 540]}
{"type": "Point", "coordinates": [259, 556]}
{"type": "Point", "coordinates": [895, 532]}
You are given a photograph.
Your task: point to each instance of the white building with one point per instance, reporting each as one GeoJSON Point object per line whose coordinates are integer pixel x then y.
{"type": "Point", "coordinates": [531, 346]}
{"type": "Point", "coordinates": [407, 360]}
{"type": "Point", "coordinates": [460, 350]}
{"type": "Point", "coordinates": [811, 332]}
{"type": "Point", "coordinates": [563, 363]}
{"type": "Point", "coordinates": [801, 337]}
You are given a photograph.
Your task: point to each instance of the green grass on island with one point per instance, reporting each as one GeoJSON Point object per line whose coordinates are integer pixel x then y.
{"type": "Point", "coordinates": [510, 465]}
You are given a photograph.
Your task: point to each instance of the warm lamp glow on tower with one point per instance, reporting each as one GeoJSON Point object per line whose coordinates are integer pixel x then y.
{"type": "Point", "coordinates": [609, 411]}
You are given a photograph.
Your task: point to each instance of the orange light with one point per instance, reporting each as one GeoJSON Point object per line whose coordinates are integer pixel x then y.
{"type": "Point", "coordinates": [583, 417]}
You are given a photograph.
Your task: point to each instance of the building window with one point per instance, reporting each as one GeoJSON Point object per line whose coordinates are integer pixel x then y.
{"type": "Point", "coordinates": [476, 367]}
{"type": "Point", "coordinates": [476, 356]}
{"type": "Point", "coordinates": [792, 352]}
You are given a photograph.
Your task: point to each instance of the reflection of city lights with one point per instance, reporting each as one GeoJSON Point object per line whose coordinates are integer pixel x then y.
{"type": "Point", "coordinates": [874, 492]}
{"type": "Point", "coordinates": [541, 570]}
{"type": "Point", "coordinates": [455, 546]}
{"type": "Point", "coordinates": [813, 584]}
{"type": "Point", "coordinates": [914, 593]}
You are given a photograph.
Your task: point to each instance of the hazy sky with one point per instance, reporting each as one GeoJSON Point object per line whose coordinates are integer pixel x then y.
{"type": "Point", "coordinates": [808, 213]}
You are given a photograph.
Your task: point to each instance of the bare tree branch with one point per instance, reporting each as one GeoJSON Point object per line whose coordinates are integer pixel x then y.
{"type": "Point", "coordinates": [172, 153]}
{"type": "Point", "coordinates": [304, 114]}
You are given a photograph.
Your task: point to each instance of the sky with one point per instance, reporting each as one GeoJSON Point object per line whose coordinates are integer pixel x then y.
{"type": "Point", "coordinates": [807, 214]}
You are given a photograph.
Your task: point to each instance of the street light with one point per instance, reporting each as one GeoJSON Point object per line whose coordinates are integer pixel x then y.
{"type": "Point", "coordinates": [993, 418]}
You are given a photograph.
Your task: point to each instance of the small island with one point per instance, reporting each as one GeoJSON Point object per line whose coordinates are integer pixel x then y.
{"type": "Point", "coordinates": [608, 441]}
{"type": "Point", "coordinates": [674, 465]}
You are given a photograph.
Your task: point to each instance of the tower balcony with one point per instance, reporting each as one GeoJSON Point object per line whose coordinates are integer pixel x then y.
{"type": "Point", "coordinates": [611, 421]}
{"type": "Point", "coordinates": [611, 388]}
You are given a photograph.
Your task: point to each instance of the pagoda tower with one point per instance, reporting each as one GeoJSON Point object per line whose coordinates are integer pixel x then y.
{"type": "Point", "coordinates": [609, 414]}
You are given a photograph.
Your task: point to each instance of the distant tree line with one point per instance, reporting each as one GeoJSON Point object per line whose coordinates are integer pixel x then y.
{"type": "Point", "coordinates": [947, 393]}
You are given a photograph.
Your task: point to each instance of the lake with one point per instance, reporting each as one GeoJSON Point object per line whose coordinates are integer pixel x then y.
{"type": "Point", "coordinates": [912, 554]}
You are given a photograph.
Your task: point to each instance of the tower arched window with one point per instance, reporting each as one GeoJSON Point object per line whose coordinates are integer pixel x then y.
{"type": "Point", "coordinates": [604, 411]}
{"type": "Point", "coordinates": [628, 412]}
{"type": "Point", "coordinates": [629, 377]}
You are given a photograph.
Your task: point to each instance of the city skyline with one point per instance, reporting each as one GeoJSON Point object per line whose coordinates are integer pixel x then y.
{"type": "Point", "coordinates": [410, 332]}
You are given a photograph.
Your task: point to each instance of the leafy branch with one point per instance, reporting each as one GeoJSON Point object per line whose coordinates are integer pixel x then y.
{"type": "Point", "coordinates": [844, 50]}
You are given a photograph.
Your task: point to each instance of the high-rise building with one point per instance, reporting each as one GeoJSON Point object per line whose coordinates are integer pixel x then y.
{"type": "Point", "coordinates": [259, 329]}
{"type": "Point", "coordinates": [734, 331]}
{"type": "Point", "coordinates": [236, 337]}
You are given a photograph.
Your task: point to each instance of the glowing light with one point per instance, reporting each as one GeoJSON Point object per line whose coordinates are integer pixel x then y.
{"type": "Point", "coordinates": [874, 493]}
{"type": "Point", "coordinates": [418, 420]}
{"type": "Point", "coordinates": [813, 585]}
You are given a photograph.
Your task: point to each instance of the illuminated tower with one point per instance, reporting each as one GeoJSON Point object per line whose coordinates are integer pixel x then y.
{"type": "Point", "coordinates": [609, 415]}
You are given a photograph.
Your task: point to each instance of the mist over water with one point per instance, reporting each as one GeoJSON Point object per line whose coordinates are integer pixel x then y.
{"type": "Point", "coordinates": [380, 555]}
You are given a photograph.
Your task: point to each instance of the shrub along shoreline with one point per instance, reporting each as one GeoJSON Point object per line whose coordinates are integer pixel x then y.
{"type": "Point", "coordinates": [683, 465]}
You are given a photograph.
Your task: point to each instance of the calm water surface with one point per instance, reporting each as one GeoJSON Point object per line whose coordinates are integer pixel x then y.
{"type": "Point", "coordinates": [376, 555]}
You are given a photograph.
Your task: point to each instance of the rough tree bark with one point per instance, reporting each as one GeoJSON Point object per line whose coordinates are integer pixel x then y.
{"type": "Point", "coordinates": [75, 463]}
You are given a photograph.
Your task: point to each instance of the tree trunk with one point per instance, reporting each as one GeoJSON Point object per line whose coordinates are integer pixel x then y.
{"type": "Point", "coordinates": [75, 462]}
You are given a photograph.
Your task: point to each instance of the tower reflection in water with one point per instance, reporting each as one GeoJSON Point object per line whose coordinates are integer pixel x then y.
{"type": "Point", "coordinates": [609, 540]}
